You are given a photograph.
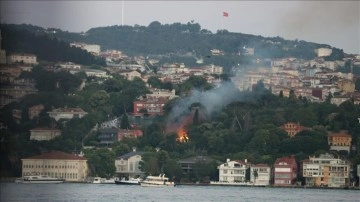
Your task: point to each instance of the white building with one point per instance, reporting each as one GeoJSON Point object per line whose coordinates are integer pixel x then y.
{"type": "Point", "coordinates": [96, 73]}
{"type": "Point", "coordinates": [44, 133]}
{"type": "Point", "coordinates": [58, 164]}
{"type": "Point", "coordinates": [326, 170]}
{"type": "Point", "coordinates": [66, 113]}
{"type": "Point", "coordinates": [69, 65]}
{"type": "Point", "coordinates": [91, 48]}
{"type": "Point", "coordinates": [260, 174]}
{"type": "Point", "coordinates": [130, 74]}
{"type": "Point", "coordinates": [233, 171]}
{"type": "Point", "coordinates": [21, 58]}
{"type": "Point", "coordinates": [128, 164]}
{"type": "Point", "coordinates": [157, 93]}
{"type": "Point", "coordinates": [321, 52]}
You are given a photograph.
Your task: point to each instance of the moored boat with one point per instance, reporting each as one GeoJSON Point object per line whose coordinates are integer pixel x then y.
{"type": "Point", "coordinates": [44, 179]}
{"type": "Point", "coordinates": [157, 181]}
{"type": "Point", "coordinates": [128, 181]}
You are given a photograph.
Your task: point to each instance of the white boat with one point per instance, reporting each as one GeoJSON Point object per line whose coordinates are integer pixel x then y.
{"type": "Point", "coordinates": [99, 180]}
{"type": "Point", "coordinates": [128, 181]}
{"type": "Point", "coordinates": [157, 181]}
{"type": "Point", "coordinates": [44, 179]}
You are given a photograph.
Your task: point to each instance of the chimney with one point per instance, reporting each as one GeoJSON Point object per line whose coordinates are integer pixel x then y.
{"type": "Point", "coordinates": [245, 160]}
{"type": "Point", "coordinates": [134, 149]}
{"type": "Point", "coordinates": [227, 160]}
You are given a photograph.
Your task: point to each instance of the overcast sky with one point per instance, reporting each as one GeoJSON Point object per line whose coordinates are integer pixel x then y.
{"type": "Point", "coordinates": [336, 23]}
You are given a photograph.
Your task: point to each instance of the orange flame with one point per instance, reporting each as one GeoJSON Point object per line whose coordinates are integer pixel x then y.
{"type": "Point", "coordinates": [182, 135]}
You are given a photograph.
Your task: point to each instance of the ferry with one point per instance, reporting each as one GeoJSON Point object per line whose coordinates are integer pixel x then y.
{"type": "Point", "coordinates": [157, 181]}
{"type": "Point", "coordinates": [43, 179]}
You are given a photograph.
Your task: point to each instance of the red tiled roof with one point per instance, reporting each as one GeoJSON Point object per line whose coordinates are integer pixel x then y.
{"type": "Point", "coordinates": [288, 160]}
{"type": "Point", "coordinates": [57, 155]}
{"type": "Point", "coordinates": [342, 133]}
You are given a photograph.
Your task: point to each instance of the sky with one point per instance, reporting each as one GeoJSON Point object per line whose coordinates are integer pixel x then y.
{"type": "Point", "coordinates": [336, 23]}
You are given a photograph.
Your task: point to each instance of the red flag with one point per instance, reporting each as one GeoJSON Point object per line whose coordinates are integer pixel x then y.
{"type": "Point", "coordinates": [225, 14]}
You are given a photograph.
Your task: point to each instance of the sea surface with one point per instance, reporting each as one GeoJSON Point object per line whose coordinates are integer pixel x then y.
{"type": "Point", "coordinates": [112, 192]}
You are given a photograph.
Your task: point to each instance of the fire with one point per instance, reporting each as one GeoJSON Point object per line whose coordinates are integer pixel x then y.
{"type": "Point", "coordinates": [182, 135]}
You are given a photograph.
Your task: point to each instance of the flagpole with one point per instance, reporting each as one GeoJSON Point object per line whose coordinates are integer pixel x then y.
{"type": "Point", "coordinates": [122, 13]}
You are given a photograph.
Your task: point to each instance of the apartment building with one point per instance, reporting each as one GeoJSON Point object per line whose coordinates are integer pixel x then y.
{"type": "Point", "coordinates": [326, 170]}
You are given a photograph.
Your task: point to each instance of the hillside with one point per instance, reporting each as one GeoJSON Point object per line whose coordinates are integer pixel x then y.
{"type": "Point", "coordinates": [34, 40]}
{"type": "Point", "coordinates": [177, 38]}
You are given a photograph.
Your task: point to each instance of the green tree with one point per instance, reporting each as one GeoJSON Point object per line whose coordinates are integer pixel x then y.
{"type": "Point", "coordinates": [101, 162]}
{"type": "Point", "coordinates": [125, 122]}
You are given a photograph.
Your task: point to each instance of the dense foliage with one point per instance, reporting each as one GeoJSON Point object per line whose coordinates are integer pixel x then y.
{"type": "Point", "coordinates": [16, 40]}
{"type": "Point", "coordinates": [246, 128]}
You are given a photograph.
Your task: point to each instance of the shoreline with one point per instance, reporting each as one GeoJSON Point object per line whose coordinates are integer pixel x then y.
{"type": "Point", "coordinates": [12, 180]}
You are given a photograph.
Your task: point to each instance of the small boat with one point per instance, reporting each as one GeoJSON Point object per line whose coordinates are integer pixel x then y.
{"type": "Point", "coordinates": [44, 179]}
{"type": "Point", "coordinates": [157, 181]}
{"type": "Point", "coordinates": [128, 181]}
{"type": "Point", "coordinates": [99, 180]}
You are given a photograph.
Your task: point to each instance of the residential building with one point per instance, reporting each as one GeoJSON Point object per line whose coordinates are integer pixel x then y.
{"type": "Point", "coordinates": [130, 74]}
{"type": "Point", "coordinates": [69, 65]}
{"type": "Point", "coordinates": [59, 164]}
{"type": "Point", "coordinates": [157, 93]}
{"type": "Point", "coordinates": [321, 52]}
{"type": "Point", "coordinates": [67, 113]}
{"type": "Point", "coordinates": [128, 164]}
{"type": "Point", "coordinates": [340, 141]}
{"type": "Point", "coordinates": [16, 90]}
{"type": "Point", "coordinates": [233, 171]}
{"type": "Point", "coordinates": [40, 134]}
{"type": "Point", "coordinates": [108, 135]}
{"type": "Point", "coordinates": [153, 106]}
{"type": "Point", "coordinates": [35, 110]}
{"type": "Point", "coordinates": [292, 128]}
{"type": "Point", "coordinates": [96, 73]}
{"type": "Point", "coordinates": [285, 171]}
{"type": "Point", "coordinates": [21, 58]}
{"type": "Point", "coordinates": [326, 170]}
{"type": "Point", "coordinates": [188, 163]}
{"type": "Point", "coordinates": [91, 48]}
{"type": "Point", "coordinates": [129, 133]}
{"type": "Point", "coordinates": [346, 85]}
{"type": "Point", "coordinates": [260, 174]}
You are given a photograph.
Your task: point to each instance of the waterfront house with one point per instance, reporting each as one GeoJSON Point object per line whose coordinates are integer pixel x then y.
{"type": "Point", "coordinates": [58, 164]}
{"type": "Point", "coordinates": [326, 170]}
{"type": "Point", "coordinates": [260, 174]}
{"type": "Point", "coordinates": [187, 164]}
{"type": "Point", "coordinates": [233, 171]}
{"type": "Point", "coordinates": [128, 164]}
{"type": "Point", "coordinates": [285, 171]}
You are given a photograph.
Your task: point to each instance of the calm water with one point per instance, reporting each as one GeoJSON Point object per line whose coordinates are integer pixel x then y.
{"type": "Point", "coordinates": [109, 192]}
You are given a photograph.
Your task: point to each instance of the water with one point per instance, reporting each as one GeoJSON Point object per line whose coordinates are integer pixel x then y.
{"type": "Point", "coordinates": [109, 192]}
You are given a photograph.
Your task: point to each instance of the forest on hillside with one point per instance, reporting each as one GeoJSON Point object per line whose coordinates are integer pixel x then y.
{"type": "Point", "coordinates": [221, 122]}
{"type": "Point", "coordinates": [169, 39]}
